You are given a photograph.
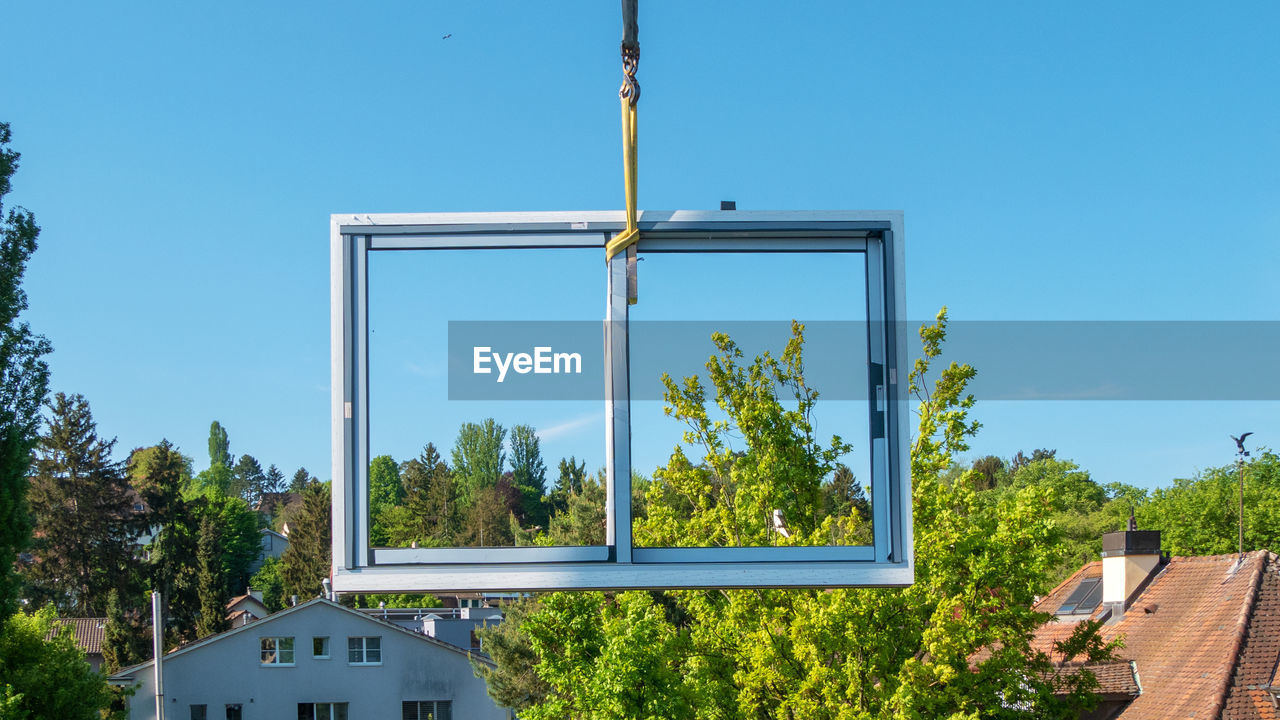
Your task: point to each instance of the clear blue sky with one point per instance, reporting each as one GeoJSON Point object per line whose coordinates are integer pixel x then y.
{"type": "Point", "coordinates": [1075, 162]}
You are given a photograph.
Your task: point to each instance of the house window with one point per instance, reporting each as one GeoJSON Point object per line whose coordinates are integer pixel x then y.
{"type": "Point", "coordinates": [234, 713]}
{"type": "Point", "coordinates": [320, 648]}
{"type": "Point", "coordinates": [426, 710]}
{"type": "Point", "coordinates": [364, 650]}
{"type": "Point", "coordinates": [322, 711]}
{"type": "Point", "coordinates": [199, 712]}
{"type": "Point", "coordinates": [277, 651]}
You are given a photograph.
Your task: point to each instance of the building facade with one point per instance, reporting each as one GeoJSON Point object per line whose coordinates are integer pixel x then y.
{"type": "Point", "coordinates": [316, 660]}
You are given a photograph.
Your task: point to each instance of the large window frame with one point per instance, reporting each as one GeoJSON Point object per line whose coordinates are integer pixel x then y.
{"type": "Point", "coordinates": [358, 567]}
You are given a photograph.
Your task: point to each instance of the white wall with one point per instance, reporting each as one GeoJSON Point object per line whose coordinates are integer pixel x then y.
{"type": "Point", "coordinates": [228, 670]}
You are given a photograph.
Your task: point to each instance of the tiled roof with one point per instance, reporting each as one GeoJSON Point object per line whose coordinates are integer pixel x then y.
{"type": "Point", "coordinates": [1202, 633]}
{"type": "Point", "coordinates": [1114, 678]}
{"type": "Point", "coordinates": [1249, 696]}
{"type": "Point", "coordinates": [86, 631]}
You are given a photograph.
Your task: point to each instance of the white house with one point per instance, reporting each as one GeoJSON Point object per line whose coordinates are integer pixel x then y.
{"type": "Point", "coordinates": [316, 661]}
{"type": "Point", "coordinates": [273, 546]}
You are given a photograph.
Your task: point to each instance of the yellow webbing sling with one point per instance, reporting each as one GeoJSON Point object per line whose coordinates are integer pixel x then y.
{"type": "Point", "coordinates": [630, 94]}
{"type": "Point", "coordinates": [629, 236]}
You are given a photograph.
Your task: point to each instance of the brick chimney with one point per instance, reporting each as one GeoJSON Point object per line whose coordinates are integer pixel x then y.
{"type": "Point", "coordinates": [1129, 557]}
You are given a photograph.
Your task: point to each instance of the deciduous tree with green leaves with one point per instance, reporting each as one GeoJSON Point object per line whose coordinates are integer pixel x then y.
{"type": "Point", "coordinates": [42, 678]}
{"type": "Point", "coordinates": [478, 457]}
{"type": "Point", "coordinates": [953, 645]}
{"type": "Point", "coordinates": [1200, 515]}
{"type": "Point", "coordinates": [24, 379]}
{"type": "Point", "coordinates": [219, 445]}
{"type": "Point", "coordinates": [529, 474]}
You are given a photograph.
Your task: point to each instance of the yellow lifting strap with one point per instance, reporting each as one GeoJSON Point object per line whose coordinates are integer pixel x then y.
{"type": "Point", "coordinates": [630, 94]}
{"type": "Point", "coordinates": [628, 237]}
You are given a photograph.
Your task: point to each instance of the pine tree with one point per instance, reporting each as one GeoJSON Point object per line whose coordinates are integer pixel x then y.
{"type": "Point", "coordinates": [247, 479]}
{"type": "Point", "coordinates": [159, 474]}
{"type": "Point", "coordinates": [24, 380]}
{"type": "Point", "coordinates": [219, 445]}
{"type": "Point", "coordinates": [308, 559]}
{"type": "Point", "coordinates": [431, 498]}
{"type": "Point", "coordinates": [273, 481]}
{"type": "Point", "coordinates": [124, 641]}
{"type": "Point", "coordinates": [301, 479]}
{"type": "Point", "coordinates": [211, 586]}
{"type": "Point", "coordinates": [84, 518]}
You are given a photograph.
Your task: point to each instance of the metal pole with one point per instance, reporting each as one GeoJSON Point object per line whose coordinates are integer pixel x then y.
{"type": "Point", "coordinates": [1240, 465]}
{"type": "Point", "coordinates": [157, 647]}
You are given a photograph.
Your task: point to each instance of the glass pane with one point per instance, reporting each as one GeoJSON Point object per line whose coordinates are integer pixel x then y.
{"type": "Point", "coordinates": [486, 395]}
{"type": "Point", "coordinates": [443, 711]}
{"type": "Point", "coordinates": [759, 435]}
{"type": "Point", "coordinates": [320, 646]}
{"type": "Point", "coordinates": [339, 711]}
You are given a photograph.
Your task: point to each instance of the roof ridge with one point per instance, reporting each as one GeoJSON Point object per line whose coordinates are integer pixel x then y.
{"type": "Point", "coordinates": [1243, 621]}
{"type": "Point", "coordinates": [1219, 558]}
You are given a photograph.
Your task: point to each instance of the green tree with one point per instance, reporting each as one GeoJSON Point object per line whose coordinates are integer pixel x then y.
{"type": "Point", "coordinates": [309, 557]}
{"type": "Point", "coordinates": [529, 475]}
{"type": "Point", "coordinates": [268, 580]}
{"type": "Point", "coordinates": [582, 520]}
{"type": "Point", "coordinates": [385, 492]}
{"type": "Point", "coordinates": [1201, 515]}
{"type": "Point", "coordinates": [219, 445]}
{"type": "Point", "coordinates": [512, 680]}
{"type": "Point", "coordinates": [478, 458]}
{"type": "Point", "coordinates": [47, 678]}
{"type": "Point", "coordinates": [159, 474]}
{"type": "Point", "coordinates": [124, 638]}
{"type": "Point", "coordinates": [846, 503]}
{"type": "Point", "coordinates": [210, 583]}
{"type": "Point", "coordinates": [215, 479]}
{"type": "Point", "coordinates": [301, 479]}
{"type": "Point", "coordinates": [431, 500]}
{"type": "Point", "coordinates": [247, 480]}
{"type": "Point", "coordinates": [24, 379]}
{"type": "Point", "coordinates": [955, 644]}
{"type": "Point", "coordinates": [273, 482]}
{"type": "Point", "coordinates": [1079, 511]}
{"type": "Point", "coordinates": [990, 470]}
{"type": "Point", "coordinates": [83, 514]}
{"type": "Point", "coordinates": [488, 520]}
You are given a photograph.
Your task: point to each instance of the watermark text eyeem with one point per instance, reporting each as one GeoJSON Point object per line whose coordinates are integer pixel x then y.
{"type": "Point", "coordinates": [543, 361]}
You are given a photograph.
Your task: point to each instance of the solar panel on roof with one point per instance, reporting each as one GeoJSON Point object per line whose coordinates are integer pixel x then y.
{"type": "Point", "coordinates": [1084, 599]}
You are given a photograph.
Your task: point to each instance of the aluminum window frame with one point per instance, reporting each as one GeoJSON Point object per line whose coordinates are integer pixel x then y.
{"type": "Point", "coordinates": [358, 567]}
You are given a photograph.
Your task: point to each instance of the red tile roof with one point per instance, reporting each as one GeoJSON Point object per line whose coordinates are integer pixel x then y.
{"type": "Point", "coordinates": [1203, 636]}
{"type": "Point", "coordinates": [86, 631]}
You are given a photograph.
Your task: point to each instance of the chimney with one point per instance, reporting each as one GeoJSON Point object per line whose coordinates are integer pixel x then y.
{"type": "Point", "coordinates": [1129, 557]}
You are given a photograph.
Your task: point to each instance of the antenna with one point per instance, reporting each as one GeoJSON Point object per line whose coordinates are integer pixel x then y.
{"type": "Point", "coordinates": [1241, 454]}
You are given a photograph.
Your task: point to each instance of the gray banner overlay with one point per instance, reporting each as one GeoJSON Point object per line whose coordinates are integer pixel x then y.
{"type": "Point", "coordinates": [1020, 360]}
